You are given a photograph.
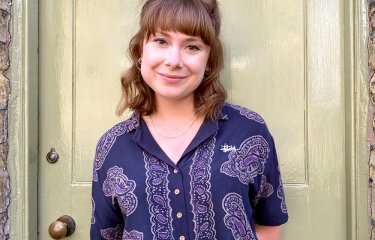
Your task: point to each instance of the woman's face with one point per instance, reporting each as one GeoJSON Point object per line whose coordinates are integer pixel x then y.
{"type": "Point", "coordinates": [173, 64]}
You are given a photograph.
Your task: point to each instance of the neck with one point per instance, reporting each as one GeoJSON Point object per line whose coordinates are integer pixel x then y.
{"type": "Point", "coordinates": [174, 111]}
{"type": "Point", "coordinates": [174, 121]}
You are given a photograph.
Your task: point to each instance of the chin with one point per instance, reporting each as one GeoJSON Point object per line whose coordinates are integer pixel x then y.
{"type": "Point", "coordinates": [174, 97]}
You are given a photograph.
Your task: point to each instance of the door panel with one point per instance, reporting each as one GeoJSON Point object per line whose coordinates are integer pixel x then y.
{"type": "Point", "coordinates": [101, 38]}
{"type": "Point", "coordinates": [283, 60]}
{"type": "Point", "coordinates": [266, 62]}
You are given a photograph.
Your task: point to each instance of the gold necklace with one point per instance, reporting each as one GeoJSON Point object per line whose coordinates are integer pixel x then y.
{"type": "Point", "coordinates": [172, 137]}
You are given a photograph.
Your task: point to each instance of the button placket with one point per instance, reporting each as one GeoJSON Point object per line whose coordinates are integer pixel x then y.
{"type": "Point", "coordinates": [176, 189]}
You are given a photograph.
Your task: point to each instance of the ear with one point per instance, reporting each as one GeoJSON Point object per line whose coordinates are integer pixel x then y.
{"type": "Point", "coordinates": [207, 71]}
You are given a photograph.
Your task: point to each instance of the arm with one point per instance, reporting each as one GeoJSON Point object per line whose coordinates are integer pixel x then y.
{"type": "Point", "coordinates": [267, 196]}
{"type": "Point", "coordinates": [107, 220]}
{"type": "Point", "coordinates": [268, 232]}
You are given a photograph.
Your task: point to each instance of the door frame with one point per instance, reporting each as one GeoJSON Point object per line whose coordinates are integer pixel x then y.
{"type": "Point", "coordinates": [23, 118]}
{"type": "Point", "coordinates": [355, 30]}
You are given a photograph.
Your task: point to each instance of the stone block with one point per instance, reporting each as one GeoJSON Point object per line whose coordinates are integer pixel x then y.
{"type": "Point", "coordinates": [4, 192]}
{"type": "Point", "coordinates": [3, 156]}
{"type": "Point", "coordinates": [371, 16]}
{"type": "Point", "coordinates": [3, 126]}
{"type": "Point", "coordinates": [371, 52]}
{"type": "Point", "coordinates": [5, 5]}
{"type": "Point", "coordinates": [372, 83]}
{"type": "Point", "coordinates": [4, 56]}
{"type": "Point", "coordinates": [4, 92]}
{"type": "Point", "coordinates": [4, 26]}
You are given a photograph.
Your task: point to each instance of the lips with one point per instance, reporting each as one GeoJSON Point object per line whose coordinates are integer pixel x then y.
{"type": "Point", "coordinates": [171, 77]}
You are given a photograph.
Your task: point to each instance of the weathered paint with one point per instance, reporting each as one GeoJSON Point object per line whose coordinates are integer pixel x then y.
{"type": "Point", "coordinates": [23, 120]}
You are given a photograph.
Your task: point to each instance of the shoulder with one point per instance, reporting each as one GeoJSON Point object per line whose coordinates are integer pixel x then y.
{"type": "Point", "coordinates": [243, 120]}
{"type": "Point", "coordinates": [242, 114]}
{"type": "Point", "coordinates": [109, 138]}
{"type": "Point", "coordinates": [119, 129]}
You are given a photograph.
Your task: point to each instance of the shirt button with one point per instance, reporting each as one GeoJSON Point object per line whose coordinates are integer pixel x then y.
{"type": "Point", "coordinates": [177, 191]}
{"type": "Point", "coordinates": [175, 170]}
{"type": "Point", "coordinates": [179, 215]}
{"type": "Point", "coordinates": [181, 238]}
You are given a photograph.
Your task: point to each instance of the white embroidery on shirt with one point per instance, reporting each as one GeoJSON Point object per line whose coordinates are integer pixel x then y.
{"type": "Point", "coordinates": [228, 148]}
{"type": "Point", "coordinates": [248, 161]}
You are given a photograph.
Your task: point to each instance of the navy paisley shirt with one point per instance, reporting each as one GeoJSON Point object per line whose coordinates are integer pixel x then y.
{"type": "Point", "coordinates": [227, 180]}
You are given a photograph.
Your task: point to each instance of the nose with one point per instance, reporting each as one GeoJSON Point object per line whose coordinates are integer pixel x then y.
{"type": "Point", "coordinates": [174, 59]}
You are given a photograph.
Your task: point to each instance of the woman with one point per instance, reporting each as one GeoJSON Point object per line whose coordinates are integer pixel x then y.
{"type": "Point", "coordinates": [185, 165]}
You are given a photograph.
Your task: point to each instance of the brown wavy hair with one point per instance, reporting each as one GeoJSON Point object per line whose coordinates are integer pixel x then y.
{"type": "Point", "coordinates": [191, 17]}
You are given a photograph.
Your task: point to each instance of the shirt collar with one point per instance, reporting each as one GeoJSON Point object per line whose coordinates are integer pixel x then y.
{"type": "Point", "coordinates": [223, 115]}
{"type": "Point", "coordinates": [144, 139]}
{"type": "Point", "coordinates": [135, 119]}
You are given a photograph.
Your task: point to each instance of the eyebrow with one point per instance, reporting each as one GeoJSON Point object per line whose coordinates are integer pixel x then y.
{"type": "Point", "coordinates": [189, 38]}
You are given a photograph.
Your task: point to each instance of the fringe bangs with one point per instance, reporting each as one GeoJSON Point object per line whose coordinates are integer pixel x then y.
{"type": "Point", "coordinates": [190, 18]}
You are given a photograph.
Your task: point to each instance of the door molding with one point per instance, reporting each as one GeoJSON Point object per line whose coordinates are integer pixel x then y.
{"type": "Point", "coordinates": [355, 28]}
{"type": "Point", "coordinates": [23, 120]}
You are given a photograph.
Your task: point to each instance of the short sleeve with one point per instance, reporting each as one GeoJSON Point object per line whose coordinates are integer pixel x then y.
{"type": "Point", "coordinates": [267, 192]}
{"type": "Point", "coordinates": [107, 219]}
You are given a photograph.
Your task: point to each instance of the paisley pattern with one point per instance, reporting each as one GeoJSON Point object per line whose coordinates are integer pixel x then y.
{"type": "Point", "coordinates": [227, 170]}
{"type": "Point", "coordinates": [157, 197]}
{"type": "Point", "coordinates": [266, 190]}
{"type": "Point", "coordinates": [248, 160]}
{"type": "Point", "coordinates": [235, 217]}
{"type": "Point", "coordinates": [133, 235]}
{"type": "Point", "coordinates": [119, 187]}
{"type": "Point", "coordinates": [113, 233]}
{"type": "Point", "coordinates": [93, 210]}
{"type": "Point", "coordinates": [107, 140]}
{"type": "Point", "coordinates": [281, 195]}
{"type": "Point", "coordinates": [201, 199]}
{"type": "Point", "coordinates": [248, 113]}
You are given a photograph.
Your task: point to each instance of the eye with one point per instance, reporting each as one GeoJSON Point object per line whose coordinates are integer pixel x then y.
{"type": "Point", "coordinates": [160, 41]}
{"type": "Point", "coordinates": [193, 47]}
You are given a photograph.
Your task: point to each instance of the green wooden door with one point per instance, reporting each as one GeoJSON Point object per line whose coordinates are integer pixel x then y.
{"type": "Point", "coordinates": [284, 59]}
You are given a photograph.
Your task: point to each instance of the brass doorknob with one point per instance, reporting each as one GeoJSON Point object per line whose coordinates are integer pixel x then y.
{"type": "Point", "coordinates": [64, 226]}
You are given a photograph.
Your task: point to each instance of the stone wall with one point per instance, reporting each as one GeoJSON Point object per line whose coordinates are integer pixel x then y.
{"type": "Point", "coordinates": [371, 129]}
{"type": "Point", "coordinates": [5, 38]}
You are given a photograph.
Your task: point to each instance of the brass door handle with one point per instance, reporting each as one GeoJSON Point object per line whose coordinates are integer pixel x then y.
{"type": "Point", "coordinates": [64, 226]}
